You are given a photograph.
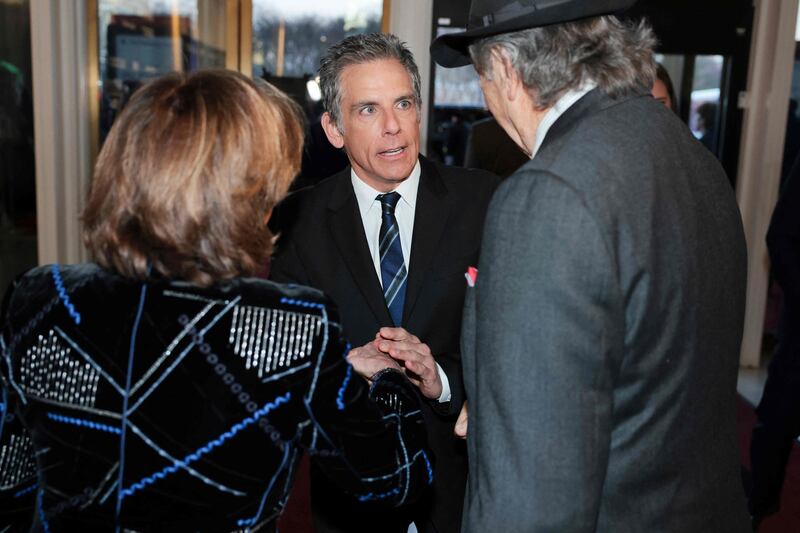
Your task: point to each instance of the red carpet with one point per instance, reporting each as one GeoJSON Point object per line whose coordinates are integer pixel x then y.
{"type": "Point", "coordinates": [296, 517]}
{"type": "Point", "coordinates": [787, 520]}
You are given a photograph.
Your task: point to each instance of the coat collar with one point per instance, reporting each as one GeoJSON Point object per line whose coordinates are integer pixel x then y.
{"type": "Point", "coordinates": [592, 102]}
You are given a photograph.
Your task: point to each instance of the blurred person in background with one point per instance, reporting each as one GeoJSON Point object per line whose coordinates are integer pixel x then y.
{"type": "Point", "coordinates": [778, 411]}
{"type": "Point", "coordinates": [663, 90]}
{"type": "Point", "coordinates": [707, 125]}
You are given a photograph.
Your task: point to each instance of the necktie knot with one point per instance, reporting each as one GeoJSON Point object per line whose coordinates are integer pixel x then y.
{"type": "Point", "coordinates": [389, 201]}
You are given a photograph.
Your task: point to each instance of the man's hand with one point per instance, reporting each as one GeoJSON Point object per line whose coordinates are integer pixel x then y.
{"type": "Point", "coordinates": [415, 356]}
{"type": "Point", "coordinates": [367, 360]}
{"type": "Point", "coordinates": [461, 424]}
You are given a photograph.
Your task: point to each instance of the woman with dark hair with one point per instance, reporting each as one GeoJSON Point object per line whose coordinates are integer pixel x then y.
{"type": "Point", "coordinates": [663, 90]}
{"type": "Point", "coordinates": [160, 388]}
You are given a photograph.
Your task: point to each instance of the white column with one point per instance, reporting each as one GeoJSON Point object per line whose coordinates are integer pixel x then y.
{"type": "Point", "coordinates": [764, 128]}
{"type": "Point", "coordinates": [412, 22]}
{"type": "Point", "coordinates": [61, 121]}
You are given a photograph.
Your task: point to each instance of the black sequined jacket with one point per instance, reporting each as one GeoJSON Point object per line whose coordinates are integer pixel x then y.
{"type": "Point", "coordinates": [160, 406]}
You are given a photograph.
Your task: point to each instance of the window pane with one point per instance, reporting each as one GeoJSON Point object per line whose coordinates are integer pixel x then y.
{"type": "Point", "coordinates": [290, 36]}
{"type": "Point", "coordinates": [17, 171]}
{"type": "Point", "coordinates": [456, 87]}
{"type": "Point", "coordinates": [458, 104]}
{"type": "Point", "coordinates": [143, 39]}
{"type": "Point", "coordinates": [704, 115]}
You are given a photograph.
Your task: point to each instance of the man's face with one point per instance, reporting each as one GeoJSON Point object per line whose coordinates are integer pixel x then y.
{"type": "Point", "coordinates": [380, 122]}
{"type": "Point", "coordinates": [494, 101]}
{"type": "Point", "coordinates": [498, 104]}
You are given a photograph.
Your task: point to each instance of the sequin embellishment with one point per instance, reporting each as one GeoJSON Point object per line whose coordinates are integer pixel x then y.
{"type": "Point", "coordinates": [16, 461]}
{"type": "Point", "coordinates": [270, 339]}
{"type": "Point", "coordinates": [48, 371]}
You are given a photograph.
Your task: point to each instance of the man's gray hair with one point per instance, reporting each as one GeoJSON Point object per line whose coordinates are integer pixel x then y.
{"type": "Point", "coordinates": [554, 59]}
{"type": "Point", "coordinates": [357, 49]}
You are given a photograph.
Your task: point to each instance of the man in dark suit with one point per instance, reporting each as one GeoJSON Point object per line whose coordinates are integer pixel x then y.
{"type": "Point", "coordinates": [604, 399]}
{"type": "Point", "coordinates": [389, 240]}
{"type": "Point", "coordinates": [779, 410]}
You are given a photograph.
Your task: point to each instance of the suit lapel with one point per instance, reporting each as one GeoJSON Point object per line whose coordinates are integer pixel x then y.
{"type": "Point", "coordinates": [347, 229]}
{"type": "Point", "coordinates": [430, 220]}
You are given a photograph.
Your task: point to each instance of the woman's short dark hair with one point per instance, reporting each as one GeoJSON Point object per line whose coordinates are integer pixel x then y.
{"type": "Point", "coordinates": [188, 175]}
{"type": "Point", "coordinates": [663, 76]}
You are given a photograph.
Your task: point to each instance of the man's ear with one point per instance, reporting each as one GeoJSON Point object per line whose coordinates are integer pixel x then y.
{"type": "Point", "coordinates": [331, 131]}
{"type": "Point", "coordinates": [504, 69]}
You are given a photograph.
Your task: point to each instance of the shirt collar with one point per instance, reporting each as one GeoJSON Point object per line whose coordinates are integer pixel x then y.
{"type": "Point", "coordinates": [562, 104]}
{"type": "Point", "coordinates": [365, 195]}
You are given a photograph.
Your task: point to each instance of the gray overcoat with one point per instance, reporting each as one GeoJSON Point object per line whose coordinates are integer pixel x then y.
{"type": "Point", "coordinates": [601, 342]}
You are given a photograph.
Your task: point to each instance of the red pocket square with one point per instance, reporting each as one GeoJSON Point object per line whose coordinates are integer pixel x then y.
{"type": "Point", "coordinates": [472, 276]}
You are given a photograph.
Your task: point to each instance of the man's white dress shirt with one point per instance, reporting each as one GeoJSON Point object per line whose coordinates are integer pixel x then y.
{"type": "Point", "coordinates": [562, 104]}
{"type": "Point", "coordinates": [370, 208]}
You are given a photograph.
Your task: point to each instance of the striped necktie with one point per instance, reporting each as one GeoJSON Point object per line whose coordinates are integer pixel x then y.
{"type": "Point", "coordinates": [393, 268]}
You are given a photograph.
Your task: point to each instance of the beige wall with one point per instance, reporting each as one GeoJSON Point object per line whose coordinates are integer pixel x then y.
{"type": "Point", "coordinates": [61, 123]}
{"type": "Point", "coordinates": [411, 21]}
{"type": "Point", "coordinates": [761, 154]}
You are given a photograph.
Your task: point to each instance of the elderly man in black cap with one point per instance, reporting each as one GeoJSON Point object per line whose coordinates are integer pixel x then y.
{"type": "Point", "coordinates": [601, 340]}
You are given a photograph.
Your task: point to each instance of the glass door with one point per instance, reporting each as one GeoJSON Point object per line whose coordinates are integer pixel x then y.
{"type": "Point", "coordinates": [288, 39]}
{"type": "Point", "coordinates": [138, 40]}
{"type": "Point", "coordinates": [18, 243]}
